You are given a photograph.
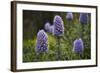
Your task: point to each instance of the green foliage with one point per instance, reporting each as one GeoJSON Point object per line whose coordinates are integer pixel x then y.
{"type": "Point", "coordinates": [73, 30]}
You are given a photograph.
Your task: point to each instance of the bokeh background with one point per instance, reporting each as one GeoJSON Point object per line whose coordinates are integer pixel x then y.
{"type": "Point", "coordinates": [33, 21]}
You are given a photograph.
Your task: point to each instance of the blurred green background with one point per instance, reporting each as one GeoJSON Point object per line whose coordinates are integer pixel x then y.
{"type": "Point", "coordinates": [33, 21]}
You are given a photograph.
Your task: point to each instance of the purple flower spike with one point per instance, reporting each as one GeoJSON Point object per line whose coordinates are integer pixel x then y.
{"type": "Point", "coordinates": [83, 18]}
{"type": "Point", "coordinates": [78, 46]}
{"type": "Point", "coordinates": [69, 16]}
{"type": "Point", "coordinates": [51, 29]}
{"type": "Point", "coordinates": [58, 26]}
{"type": "Point", "coordinates": [47, 25]}
{"type": "Point", "coordinates": [42, 42]}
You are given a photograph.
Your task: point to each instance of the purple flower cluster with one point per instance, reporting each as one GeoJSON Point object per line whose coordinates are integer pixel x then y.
{"type": "Point", "coordinates": [83, 18]}
{"type": "Point", "coordinates": [42, 42]}
{"type": "Point", "coordinates": [58, 26]}
{"type": "Point", "coordinates": [47, 25]}
{"type": "Point", "coordinates": [49, 28]}
{"type": "Point", "coordinates": [78, 46]}
{"type": "Point", "coordinates": [69, 16]}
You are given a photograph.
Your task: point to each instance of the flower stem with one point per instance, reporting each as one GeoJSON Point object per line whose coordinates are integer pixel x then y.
{"type": "Point", "coordinates": [81, 56]}
{"type": "Point", "coordinates": [37, 57]}
{"type": "Point", "coordinates": [58, 49]}
{"type": "Point", "coordinates": [82, 31]}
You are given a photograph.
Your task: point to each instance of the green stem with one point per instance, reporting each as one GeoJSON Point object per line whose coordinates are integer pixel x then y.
{"type": "Point", "coordinates": [82, 30]}
{"type": "Point", "coordinates": [39, 56]}
{"type": "Point", "coordinates": [81, 56]}
{"type": "Point", "coordinates": [58, 49]}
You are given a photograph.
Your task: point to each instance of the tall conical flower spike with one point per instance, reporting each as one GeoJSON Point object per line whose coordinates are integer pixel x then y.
{"type": "Point", "coordinates": [42, 42]}
{"type": "Point", "coordinates": [83, 18]}
{"type": "Point", "coordinates": [58, 26]}
{"type": "Point", "coordinates": [78, 46]}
